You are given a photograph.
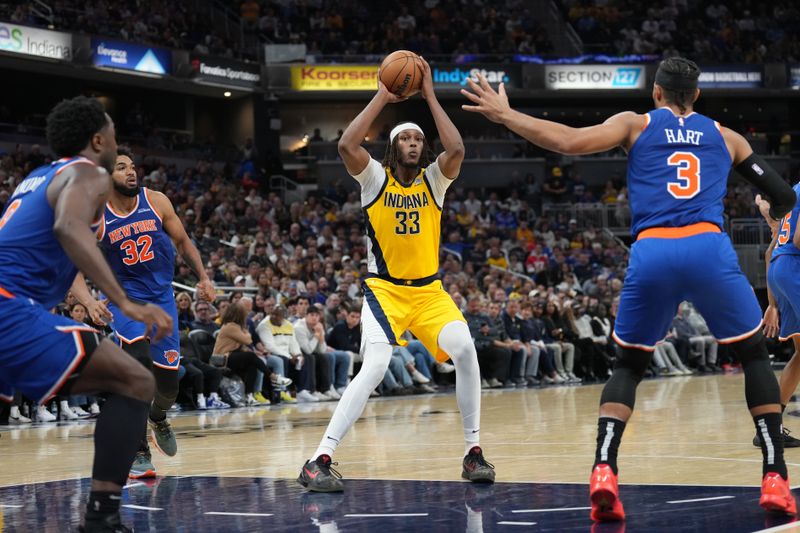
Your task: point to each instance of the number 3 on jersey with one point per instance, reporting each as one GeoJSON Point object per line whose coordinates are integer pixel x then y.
{"type": "Point", "coordinates": [688, 184]}
{"type": "Point", "coordinates": [137, 251]}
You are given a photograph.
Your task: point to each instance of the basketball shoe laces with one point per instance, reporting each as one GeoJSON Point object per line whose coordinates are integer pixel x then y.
{"type": "Point", "coordinates": [326, 467]}
{"type": "Point", "coordinates": [479, 460]}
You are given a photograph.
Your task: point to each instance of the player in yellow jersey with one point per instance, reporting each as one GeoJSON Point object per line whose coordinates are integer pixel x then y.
{"type": "Point", "coordinates": [402, 201]}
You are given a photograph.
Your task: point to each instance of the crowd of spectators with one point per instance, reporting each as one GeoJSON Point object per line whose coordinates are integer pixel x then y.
{"type": "Point", "coordinates": [748, 31]}
{"type": "Point", "coordinates": [539, 292]}
{"type": "Point", "coordinates": [428, 27]}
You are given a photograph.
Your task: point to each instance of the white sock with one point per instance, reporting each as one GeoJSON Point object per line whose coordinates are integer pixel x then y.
{"type": "Point", "coordinates": [214, 396]}
{"type": "Point", "coordinates": [456, 341]}
{"type": "Point", "coordinates": [354, 399]}
{"type": "Point", "coordinates": [14, 413]}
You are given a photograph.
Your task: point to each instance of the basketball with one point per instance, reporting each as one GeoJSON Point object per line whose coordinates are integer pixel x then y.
{"type": "Point", "coordinates": [401, 73]}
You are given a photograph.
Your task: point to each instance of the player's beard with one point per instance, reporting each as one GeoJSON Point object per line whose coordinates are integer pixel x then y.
{"type": "Point", "coordinates": [408, 162]}
{"type": "Point", "coordinates": [124, 190]}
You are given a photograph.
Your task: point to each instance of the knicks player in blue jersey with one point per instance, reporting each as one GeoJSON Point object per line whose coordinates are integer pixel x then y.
{"type": "Point", "coordinates": [782, 317]}
{"type": "Point", "coordinates": [137, 233]}
{"type": "Point", "coordinates": [46, 234]}
{"type": "Point", "coordinates": [678, 166]}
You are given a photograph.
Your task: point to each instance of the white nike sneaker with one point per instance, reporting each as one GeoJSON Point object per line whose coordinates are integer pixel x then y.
{"type": "Point", "coordinates": [43, 415]}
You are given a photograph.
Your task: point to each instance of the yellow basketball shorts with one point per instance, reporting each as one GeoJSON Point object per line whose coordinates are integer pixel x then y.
{"type": "Point", "coordinates": [389, 310]}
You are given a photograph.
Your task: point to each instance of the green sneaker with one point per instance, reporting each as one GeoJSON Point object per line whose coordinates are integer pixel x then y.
{"type": "Point", "coordinates": [142, 467]}
{"type": "Point", "coordinates": [163, 438]}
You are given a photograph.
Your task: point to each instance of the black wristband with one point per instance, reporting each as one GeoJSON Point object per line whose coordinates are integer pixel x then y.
{"type": "Point", "coordinates": [780, 194]}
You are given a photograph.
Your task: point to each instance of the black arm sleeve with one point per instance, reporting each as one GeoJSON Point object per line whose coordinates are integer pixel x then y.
{"type": "Point", "coordinates": [780, 194]}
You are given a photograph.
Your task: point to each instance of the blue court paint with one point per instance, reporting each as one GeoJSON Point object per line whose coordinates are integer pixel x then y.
{"type": "Point", "coordinates": [256, 504]}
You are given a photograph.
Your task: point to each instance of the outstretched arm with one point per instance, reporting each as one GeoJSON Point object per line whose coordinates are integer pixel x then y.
{"type": "Point", "coordinates": [354, 155]}
{"type": "Point", "coordinates": [174, 228]}
{"type": "Point", "coordinates": [449, 160]}
{"type": "Point", "coordinates": [619, 130]}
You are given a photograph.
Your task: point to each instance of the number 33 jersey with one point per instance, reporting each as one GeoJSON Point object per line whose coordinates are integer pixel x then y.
{"type": "Point", "coordinates": [677, 172]}
{"type": "Point", "coordinates": [138, 249]}
{"type": "Point", "coordinates": [403, 222]}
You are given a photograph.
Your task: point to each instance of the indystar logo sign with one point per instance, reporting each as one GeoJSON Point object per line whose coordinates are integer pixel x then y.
{"type": "Point", "coordinates": [457, 76]}
{"type": "Point", "coordinates": [35, 42]}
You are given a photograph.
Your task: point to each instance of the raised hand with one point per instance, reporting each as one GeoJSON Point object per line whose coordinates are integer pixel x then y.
{"type": "Point", "coordinates": [488, 102]}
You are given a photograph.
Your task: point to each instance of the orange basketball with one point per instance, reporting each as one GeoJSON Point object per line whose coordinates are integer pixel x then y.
{"type": "Point", "coordinates": [401, 73]}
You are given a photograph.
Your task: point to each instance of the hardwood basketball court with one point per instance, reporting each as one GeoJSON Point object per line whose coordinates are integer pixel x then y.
{"type": "Point", "coordinates": [687, 463]}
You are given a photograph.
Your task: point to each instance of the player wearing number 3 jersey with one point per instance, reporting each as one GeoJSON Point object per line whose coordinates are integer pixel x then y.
{"type": "Point", "coordinates": [678, 165]}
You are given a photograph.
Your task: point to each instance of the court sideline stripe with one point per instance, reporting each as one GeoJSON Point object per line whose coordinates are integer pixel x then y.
{"type": "Point", "coordinates": [223, 513]}
{"type": "Point", "coordinates": [508, 523]}
{"type": "Point", "coordinates": [383, 515]}
{"type": "Point", "coordinates": [703, 499]}
{"type": "Point", "coordinates": [555, 509]}
{"type": "Point", "coordinates": [142, 507]}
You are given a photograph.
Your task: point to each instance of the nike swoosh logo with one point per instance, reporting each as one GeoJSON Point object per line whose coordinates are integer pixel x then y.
{"type": "Point", "coordinates": [310, 474]}
{"type": "Point", "coordinates": [331, 438]}
{"type": "Point", "coordinates": [476, 430]}
{"type": "Point", "coordinates": [111, 220]}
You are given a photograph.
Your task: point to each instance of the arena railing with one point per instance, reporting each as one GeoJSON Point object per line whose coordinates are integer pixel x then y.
{"type": "Point", "coordinates": [614, 217]}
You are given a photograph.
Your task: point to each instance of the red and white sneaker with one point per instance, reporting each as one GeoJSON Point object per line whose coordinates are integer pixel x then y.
{"type": "Point", "coordinates": [604, 494]}
{"type": "Point", "coordinates": [776, 495]}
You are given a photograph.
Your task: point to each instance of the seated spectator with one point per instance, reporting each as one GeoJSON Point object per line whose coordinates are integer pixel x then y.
{"type": "Point", "coordinates": [185, 315]}
{"type": "Point", "coordinates": [494, 351]}
{"type": "Point", "coordinates": [277, 336]}
{"type": "Point", "coordinates": [203, 318]}
{"type": "Point", "coordinates": [554, 188]}
{"type": "Point", "coordinates": [231, 351]}
{"type": "Point", "coordinates": [310, 336]}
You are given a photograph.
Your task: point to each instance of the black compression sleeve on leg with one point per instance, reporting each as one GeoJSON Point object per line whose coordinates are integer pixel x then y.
{"type": "Point", "coordinates": [116, 437]}
{"type": "Point", "coordinates": [139, 350]}
{"type": "Point", "coordinates": [628, 373]}
{"type": "Point", "coordinates": [166, 392]}
{"type": "Point", "coordinates": [760, 384]}
{"type": "Point", "coordinates": [758, 172]}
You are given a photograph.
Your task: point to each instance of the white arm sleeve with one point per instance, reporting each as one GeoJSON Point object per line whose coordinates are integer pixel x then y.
{"type": "Point", "coordinates": [439, 182]}
{"type": "Point", "coordinates": [371, 180]}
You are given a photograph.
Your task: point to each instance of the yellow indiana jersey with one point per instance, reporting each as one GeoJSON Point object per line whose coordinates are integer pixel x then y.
{"type": "Point", "coordinates": [403, 222]}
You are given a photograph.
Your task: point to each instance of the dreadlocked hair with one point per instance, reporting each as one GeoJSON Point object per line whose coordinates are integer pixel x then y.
{"type": "Point", "coordinates": [679, 67]}
{"type": "Point", "coordinates": [392, 156]}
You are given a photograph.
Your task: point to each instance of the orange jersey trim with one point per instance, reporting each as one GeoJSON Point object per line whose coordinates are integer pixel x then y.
{"type": "Point", "coordinates": [646, 121]}
{"type": "Point", "coordinates": [5, 293]}
{"type": "Point", "coordinates": [679, 233]}
{"type": "Point", "coordinates": [120, 215]}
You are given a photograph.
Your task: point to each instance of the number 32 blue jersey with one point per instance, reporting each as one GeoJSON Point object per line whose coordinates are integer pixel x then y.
{"type": "Point", "coordinates": [677, 172]}
{"type": "Point", "coordinates": [138, 249]}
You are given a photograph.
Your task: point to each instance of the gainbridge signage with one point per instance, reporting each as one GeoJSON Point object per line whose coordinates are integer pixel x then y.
{"type": "Point", "coordinates": [35, 42]}
{"type": "Point", "coordinates": [604, 77]}
{"type": "Point", "coordinates": [129, 56]}
{"type": "Point", "coordinates": [334, 77]}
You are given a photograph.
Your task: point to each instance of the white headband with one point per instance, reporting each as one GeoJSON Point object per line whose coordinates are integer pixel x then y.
{"type": "Point", "coordinates": [404, 126]}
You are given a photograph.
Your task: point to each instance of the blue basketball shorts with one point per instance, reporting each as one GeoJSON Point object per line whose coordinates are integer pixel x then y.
{"type": "Point", "coordinates": [784, 282]}
{"type": "Point", "coordinates": [702, 269]}
{"type": "Point", "coordinates": [166, 352]}
{"type": "Point", "coordinates": [40, 351]}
